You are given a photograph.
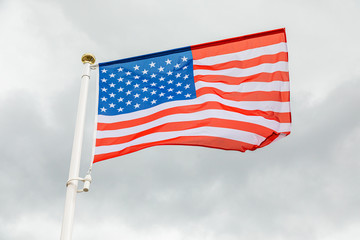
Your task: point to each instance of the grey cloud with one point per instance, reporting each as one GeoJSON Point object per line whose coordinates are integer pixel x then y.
{"type": "Point", "coordinates": [302, 187]}
{"type": "Point", "coordinates": [298, 178]}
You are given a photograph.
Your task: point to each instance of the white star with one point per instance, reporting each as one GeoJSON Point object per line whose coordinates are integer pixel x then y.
{"type": "Point", "coordinates": [169, 73]}
{"type": "Point", "coordinates": [186, 76]}
{"type": "Point", "coordinates": [179, 92]}
{"type": "Point", "coordinates": [120, 99]}
{"type": "Point", "coordinates": [178, 84]}
{"type": "Point", "coordinates": [120, 89]}
{"type": "Point", "coordinates": [187, 86]}
{"type": "Point", "coordinates": [103, 109]}
{"type": "Point", "coordinates": [128, 73]}
{"type": "Point", "coordinates": [112, 75]}
{"type": "Point", "coordinates": [137, 105]}
{"type": "Point", "coordinates": [103, 80]}
{"type": "Point", "coordinates": [120, 109]}
{"type": "Point", "coordinates": [145, 99]}
{"type": "Point", "coordinates": [177, 66]}
{"type": "Point", "coordinates": [161, 69]}
{"type": "Point", "coordinates": [145, 71]}
{"type": "Point", "coordinates": [153, 75]}
{"type": "Point", "coordinates": [145, 81]}
{"type": "Point", "coordinates": [136, 77]}
{"type": "Point", "coordinates": [187, 95]}
{"type": "Point", "coordinates": [120, 69]}
{"type": "Point", "coordinates": [170, 97]}
{"type": "Point", "coordinates": [136, 85]}
{"type": "Point", "coordinates": [144, 89]}
{"type": "Point", "coordinates": [112, 95]}
{"type": "Point", "coordinates": [153, 84]}
{"type": "Point", "coordinates": [185, 67]}
{"type": "Point", "coordinates": [112, 85]}
{"type": "Point", "coordinates": [161, 94]}
{"type": "Point", "coordinates": [128, 103]}
{"type": "Point", "coordinates": [162, 87]}
{"type": "Point", "coordinates": [104, 89]}
{"type": "Point", "coordinates": [112, 105]}
{"type": "Point", "coordinates": [128, 82]}
{"type": "Point", "coordinates": [104, 71]}
{"type": "Point", "coordinates": [153, 92]}
{"type": "Point", "coordinates": [152, 64]}
{"type": "Point", "coordinates": [120, 79]}
{"type": "Point", "coordinates": [170, 90]}
{"type": "Point", "coordinates": [153, 101]}
{"type": "Point", "coordinates": [136, 67]}
{"type": "Point", "coordinates": [170, 82]}
{"type": "Point", "coordinates": [128, 92]}
{"type": "Point", "coordinates": [103, 99]}
{"type": "Point", "coordinates": [178, 75]}
{"type": "Point", "coordinates": [136, 95]}
{"type": "Point", "coordinates": [162, 79]}
{"type": "Point", "coordinates": [184, 59]}
{"type": "Point", "coordinates": [168, 61]}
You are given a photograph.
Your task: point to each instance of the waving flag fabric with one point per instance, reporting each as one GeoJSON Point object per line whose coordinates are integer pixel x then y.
{"type": "Point", "coordinates": [231, 94]}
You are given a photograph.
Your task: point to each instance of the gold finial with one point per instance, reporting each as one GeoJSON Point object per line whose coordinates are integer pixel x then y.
{"type": "Point", "coordinates": [88, 58]}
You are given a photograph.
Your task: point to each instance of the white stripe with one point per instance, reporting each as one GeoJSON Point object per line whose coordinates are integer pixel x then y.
{"type": "Point", "coordinates": [274, 106]}
{"type": "Point", "coordinates": [243, 55]}
{"type": "Point", "coordinates": [237, 72]}
{"type": "Point", "coordinates": [236, 135]}
{"type": "Point", "coordinates": [247, 87]}
{"type": "Point", "coordinates": [188, 117]}
{"type": "Point", "coordinates": [282, 135]}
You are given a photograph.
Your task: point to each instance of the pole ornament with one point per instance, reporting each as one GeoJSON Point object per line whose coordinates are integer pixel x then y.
{"type": "Point", "coordinates": [88, 58]}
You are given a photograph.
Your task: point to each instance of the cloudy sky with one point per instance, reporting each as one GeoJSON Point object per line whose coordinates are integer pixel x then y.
{"type": "Point", "coordinates": [305, 186]}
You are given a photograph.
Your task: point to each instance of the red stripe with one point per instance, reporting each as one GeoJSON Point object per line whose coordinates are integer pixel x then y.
{"type": "Point", "coordinates": [282, 56]}
{"type": "Point", "coordinates": [280, 117]}
{"type": "Point", "coordinates": [271, 138]}
{"type": "Point", "coordinates": [204, 141]}
{"type": "Point", "coordinates": [179, 126]}
{"type": "Point", "coordinates": [248, 96]}
{"type": "Point", "coordinates": [260, 77]}
{"type": "Point", "coordinates": [238, 44]}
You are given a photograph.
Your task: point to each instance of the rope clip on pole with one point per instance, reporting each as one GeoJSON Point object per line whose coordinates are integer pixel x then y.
{"type": "Point", "coordinates": [86, 181]}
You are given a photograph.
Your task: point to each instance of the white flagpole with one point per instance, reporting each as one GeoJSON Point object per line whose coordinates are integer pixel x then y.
{"type": "Point", "coordinates": [72, 184]}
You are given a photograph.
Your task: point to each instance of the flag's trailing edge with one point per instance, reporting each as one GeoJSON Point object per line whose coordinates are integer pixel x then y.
{"type": "Point", "coordinates": [231, 94]}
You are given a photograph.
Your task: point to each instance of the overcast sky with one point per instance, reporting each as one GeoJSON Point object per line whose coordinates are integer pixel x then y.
{"type": "Point", "coordinates": [305, 186]}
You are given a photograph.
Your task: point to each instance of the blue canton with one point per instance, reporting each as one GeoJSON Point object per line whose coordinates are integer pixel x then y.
{"type": "Point", "coordinates": [145, 82]}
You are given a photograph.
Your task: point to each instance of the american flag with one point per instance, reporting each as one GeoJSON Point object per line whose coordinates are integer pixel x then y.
{"type": "Point", "coordinates": [231, 94]}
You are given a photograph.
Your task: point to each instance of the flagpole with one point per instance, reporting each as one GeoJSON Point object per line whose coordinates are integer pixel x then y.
{"type": "Point", "coordinates": [72, 183]}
